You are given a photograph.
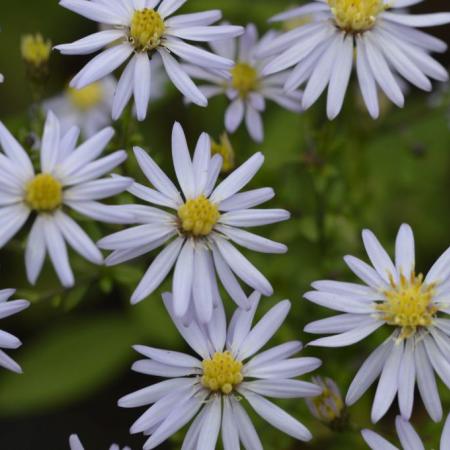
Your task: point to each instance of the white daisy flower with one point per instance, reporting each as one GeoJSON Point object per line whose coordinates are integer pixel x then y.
{"type": "Point", "coordinates": [8, 341]}
{"type": "Point", "coordinates": [140, 28]}
{"type": "Point", "coordinates": [75, 444]}
{"type": "Point", "coordinates": [206, 220]}
{"type": "Point", "coordinates": [385, 40]}
{"type": "Point", "coordinates": [244, 85]}
{"type": "Point", "coordinates": [88, 109]}
{"type": "Point", "coordinates": [211, 387]}
{"type": "Point", "coordinates": [392, 296]}
{"type": "Point", "coordinates": [68, 178]}
{"type": "Point", "coordinates": [408, 436]}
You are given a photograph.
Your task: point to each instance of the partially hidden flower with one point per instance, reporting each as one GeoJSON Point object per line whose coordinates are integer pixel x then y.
{"type": "Point", "coordinates": [393, 296]}
{"type": "Point", "coordinates": [378, 37]}
{"type": "Point", "coordinates": [139, 30]}
{"type": "Point", "coordinates": [8, 341]}
{"type": "Point", "coordinates": [69, 177]}
{"type": "Point", "coordinates": [213, 387]}
{"type": "Point", "coordinates": [244, 84]}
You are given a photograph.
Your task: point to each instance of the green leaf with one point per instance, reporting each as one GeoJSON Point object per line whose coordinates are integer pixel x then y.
{"type": "Point", "coordinates": [69, 361]}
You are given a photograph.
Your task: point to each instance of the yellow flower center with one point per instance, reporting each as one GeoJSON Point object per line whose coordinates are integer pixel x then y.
{"type": "Point", "coordinates": [35, 50]}
{"type": "Point", "coordinates": [356, 15]}
{"type": "Point", "coordinates": [222, 373]}
{"type": "Point", "coordinates": [198, 216]}
{"type": "Point", "coordinates": [225, 150]}
{"type": "Point", "coordinates": [244, 78]}
{"type": "Point", "coordinates": [44, 193]}
{"type": "Point", "coordinates": [409, 305]}
{"type": "Point", "coordinates": [86, 98]}
{"type": "Point", "coordinates": [146, 30]}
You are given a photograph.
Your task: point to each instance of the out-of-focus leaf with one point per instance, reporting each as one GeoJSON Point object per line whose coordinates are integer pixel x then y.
{"type": "Point", "coordinates": [68, 362]}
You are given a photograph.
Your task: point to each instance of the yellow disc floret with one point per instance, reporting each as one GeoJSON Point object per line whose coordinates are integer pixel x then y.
{"type": "Point", "coordinates": [146, 29]}
{"type": "Point", "coordinates": [409, 305]}
{"type": "Point", "coordinates": [356, 15]}
{"type": "Point", "coordinates": [88, 97]}
{"type": "Point", "coordinates": [222, 373]}
{"type": "Point", "coordinates": [44, 193]}
{"type": "Point", "coordinates": [225, 150]}
{"type": "Point", "coordinates": [198, 216]}
{"type": "Point", "coordinates": [35, 49]}
{"type": "Point", "coordinates": [244, 78]}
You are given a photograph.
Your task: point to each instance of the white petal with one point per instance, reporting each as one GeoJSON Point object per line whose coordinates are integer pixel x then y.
{"type": "Point", "coordinates": [407, 381]}
{"type": "Point", "coordinates": [426, 383]}
{"type": "Point", "coordinates": [156, 176]}
{"type": "Point", "coordinates": [408, 437]}
{"type": "Point", "coordinates": [209, 432]}
{"type": "Point", "coordinates": [91, 43]}
{"type": "Point", "coordinates": [369, 372]}
{"type": "Point", "coordinates": [349, 337]}
{"type": "Point", "coordinates": [264, 330]}
{"type": "Point", "coordinates": [57, 251]}
{"type": "Point", "coordinates": [405, 251]}
{"type": "Point", "coordinates": [142, 84]}
{"type": "Point", "coordinates": [376, 442]}
{"type": "Point", "coordinates": [340, 77]}
{"type": "Point", "coordinates": [182, 161]}
{"type": "Point", "coordinates": [242, 267]}
{"type": "Point", "coordinates": [183, 279]}
{"type": "Point", "coordinates": [238, 179]}
{"type": "Point", "coordinates": [277, 417]}
{"type": "Point", "coordinates": [101, 65]}
{"type": "Point", "coordinates": [247, 432]}
{"type": "Point", "coordinates": [157, 271]}
{"type": "Point", "coordinates": [379, 257]}
{"type": "Point", "coordinates": [181, 80]}
{"type": "Point", "coordinates": [388, 384]}
{"type": "Point", "coordinates": [77, 238]}
{"type": "Point", "coordinates": [445, 439]}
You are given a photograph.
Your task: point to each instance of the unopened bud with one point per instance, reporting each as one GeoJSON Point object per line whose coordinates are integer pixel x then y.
{"type": "Point", "coordinates": [226, 151]}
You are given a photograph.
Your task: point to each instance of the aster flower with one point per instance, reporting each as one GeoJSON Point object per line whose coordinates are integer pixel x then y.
{"type": "Point", "coordinates": [408, 436]}
{"type": "Point", "coordinates": [139, 30]}
{"type": "Point", "coordinates": [206, 220]}
{"type": "Point", "coordinates": [75, 444]}
{"type": "Point", "coordinates": [212, 387]}
{"type": "Point", "coordinates": [68, 178]}
{"type": "Point", "coordinates": [8, 341]}
{"type": "Point", "coordinates": [244, 85]}
{"type": "Point", "coordinates": [395, 297]}
{"type": "Point", "coordinates": [386, 42]}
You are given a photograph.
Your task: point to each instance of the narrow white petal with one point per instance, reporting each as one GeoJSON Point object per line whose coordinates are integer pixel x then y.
{"type": "Point", "coordinates": [376, 442]}
{"type": "Point", "coordinates": [181, 80]}
{"type": "Point", "coordinates": [369, 372]}
{"type": "Point", "coordinates": [238, 179]}
{"type": "Point", "coordinates": [405, 260]}
{"type": "Point", "coordinates": [142, 84]}
{"type": "Point", "coordinates": [57, 251]}
{"type": "Point", "coordinates": [409, 439]}
{"type": "Point", "coordinates": [264, 329]}
{"type": "Point", "coordinates": [182, 161]}
{"type": "Point", "coordinates": [157, 271]}
{"type": "Point", "coordinates": [388, 384]}
{"type": "Point", "coordinates": [379, 257]}
{"type": "Point", "coordinates": [277, 417]}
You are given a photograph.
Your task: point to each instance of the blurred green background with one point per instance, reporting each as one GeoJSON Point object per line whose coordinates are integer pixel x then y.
{"type": "Point", "coordinates": [336, 178]}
